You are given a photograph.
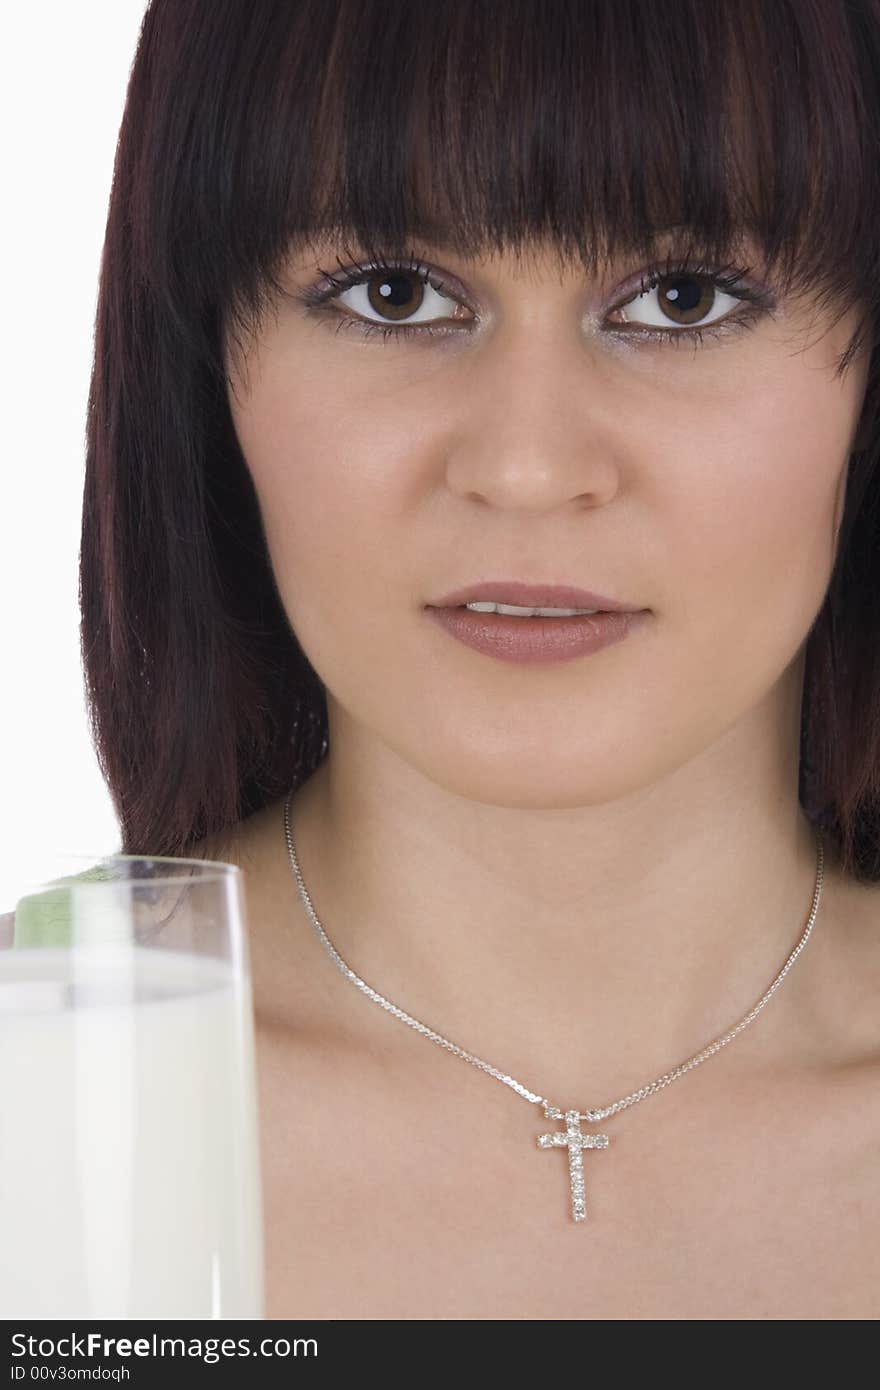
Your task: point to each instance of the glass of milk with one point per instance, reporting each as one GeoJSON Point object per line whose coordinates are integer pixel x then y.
{"type": "Point", "coordinates": [129, 1149]}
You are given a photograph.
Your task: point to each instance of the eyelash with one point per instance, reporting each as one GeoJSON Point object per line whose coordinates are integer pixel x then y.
{"type": "Point", "coordinates": [757, 302]}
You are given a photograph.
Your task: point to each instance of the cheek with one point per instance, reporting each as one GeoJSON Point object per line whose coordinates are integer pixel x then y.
{"type": "Point", "coordinates": [753, 527]}
{"type": "Point", "coordinates": [331, 486]}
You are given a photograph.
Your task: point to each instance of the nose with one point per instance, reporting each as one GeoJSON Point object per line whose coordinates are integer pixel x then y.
{"type": "Point", "coordinates": [534, 428]}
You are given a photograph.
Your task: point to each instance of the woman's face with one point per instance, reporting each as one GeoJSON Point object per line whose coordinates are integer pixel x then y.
{"type": "Point", "coordinates": [547, 435]}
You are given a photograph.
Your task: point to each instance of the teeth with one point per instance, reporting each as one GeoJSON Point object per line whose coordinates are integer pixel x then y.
{"type": "Point", "coordinates": [516, 612]}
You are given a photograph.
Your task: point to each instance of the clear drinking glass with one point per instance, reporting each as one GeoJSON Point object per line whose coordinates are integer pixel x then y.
{"type": "Point", "coordinates": [129, 1137]}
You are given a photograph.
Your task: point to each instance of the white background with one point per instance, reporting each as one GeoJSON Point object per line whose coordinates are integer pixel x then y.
{"type": "Point", "coordinates": [64, 69]}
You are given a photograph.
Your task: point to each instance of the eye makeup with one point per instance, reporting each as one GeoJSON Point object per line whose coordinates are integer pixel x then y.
{"type": "Point", "coordinates": [674, 275]}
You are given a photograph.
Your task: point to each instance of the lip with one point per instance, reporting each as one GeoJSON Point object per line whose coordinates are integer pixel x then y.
{"type": "Point", "coordinates": [512, 591]}
{"type": "Point", "coordinates": [533, 640]}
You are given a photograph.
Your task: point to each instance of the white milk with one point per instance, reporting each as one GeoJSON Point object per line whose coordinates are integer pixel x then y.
{"type": "Point", "coordinates": [129, 1159]}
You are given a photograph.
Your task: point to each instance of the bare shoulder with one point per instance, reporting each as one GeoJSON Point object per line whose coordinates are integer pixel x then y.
{"type": "Point", "coordinates": [243, 843]}
{"type": "Point", "coordinates": [852, 964]}
{"type": "Point", "coordinates": [287, 977]}
{"type": "Point", "coordinates": [864, 901]}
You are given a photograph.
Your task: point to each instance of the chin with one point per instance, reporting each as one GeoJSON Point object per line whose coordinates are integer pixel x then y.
{"type": "Point", "coordinates": [545, 779]}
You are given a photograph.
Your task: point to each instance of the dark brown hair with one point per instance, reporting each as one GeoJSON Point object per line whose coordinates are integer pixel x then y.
{"type": "Point", "coordinates": [588, 124]}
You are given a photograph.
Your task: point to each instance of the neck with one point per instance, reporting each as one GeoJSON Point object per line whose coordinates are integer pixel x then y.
{"type": "Point", "coordinates": [583, 950]}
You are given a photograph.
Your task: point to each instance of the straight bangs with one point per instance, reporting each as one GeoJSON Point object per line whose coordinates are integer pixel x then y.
{"type": "Point", "coordinates": [589, 126]}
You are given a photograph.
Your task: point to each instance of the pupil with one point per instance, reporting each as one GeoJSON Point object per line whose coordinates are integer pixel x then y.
{"type": "Point", "coordinates": [392, 293]}
{"type": "Point", "coordinates": [687, 295]}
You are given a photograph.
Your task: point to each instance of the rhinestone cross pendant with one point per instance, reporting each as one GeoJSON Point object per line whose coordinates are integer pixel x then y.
{"type": "Point", "coordinates": [575, 1142]}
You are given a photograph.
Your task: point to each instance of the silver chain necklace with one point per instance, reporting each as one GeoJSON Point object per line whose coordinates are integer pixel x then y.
{"type": "Point", "coordinates": [571, 1138]}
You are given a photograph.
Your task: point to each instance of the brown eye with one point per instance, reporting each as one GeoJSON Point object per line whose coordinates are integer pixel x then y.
{"type": "Point", "coordinates": [393, 299]}
{"type": "Point", "coordinates": [685, 298]}
{"type": "Point", "coordinates": [409, 300]}
{"type": "Point", "coordinates": [395, 294]}
{"type": "Point", "coordinates": [681, 300]}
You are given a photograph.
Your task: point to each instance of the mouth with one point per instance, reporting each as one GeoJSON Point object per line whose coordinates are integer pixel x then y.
{"type": "Point", "coordinates": [512, 610]}
{"type": "Point", "coordinates": [529, 636]}
{"type": "Point", "coordinates": [518, 600]}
